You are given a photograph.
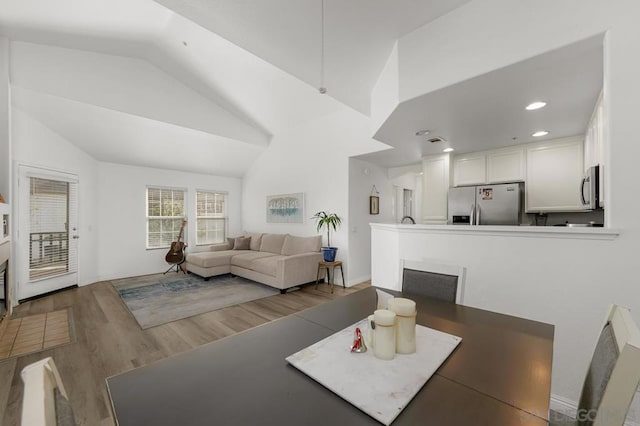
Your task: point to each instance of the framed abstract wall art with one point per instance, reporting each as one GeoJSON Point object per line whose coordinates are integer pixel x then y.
{"type": "Point", "coordinates": [285, 208]}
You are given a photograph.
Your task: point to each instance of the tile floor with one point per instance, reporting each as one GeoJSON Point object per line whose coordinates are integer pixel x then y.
{"type": "Point", "coordinates": [34, 333]}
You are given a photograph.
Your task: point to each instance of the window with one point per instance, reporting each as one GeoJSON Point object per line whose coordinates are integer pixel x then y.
{"type": "Point", "coordinates": [165, 213]}
{"type": "Point", "coordinates": [211, 217]}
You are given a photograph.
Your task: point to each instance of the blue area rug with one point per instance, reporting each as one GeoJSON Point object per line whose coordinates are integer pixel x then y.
{"type": "Point", "coordinates": [158, 299]}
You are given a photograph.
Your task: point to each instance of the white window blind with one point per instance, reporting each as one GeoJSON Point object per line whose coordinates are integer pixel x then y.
{"type": "Point", "coordinates": [50, 250]}
{"type": "Point", "coordinates": [165, 212]}
{"type": "Point", "coordinates": [211, 217]}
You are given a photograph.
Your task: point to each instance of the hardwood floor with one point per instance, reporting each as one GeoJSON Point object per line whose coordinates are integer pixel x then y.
{"type": "Point", "coordinates": [109, 341]}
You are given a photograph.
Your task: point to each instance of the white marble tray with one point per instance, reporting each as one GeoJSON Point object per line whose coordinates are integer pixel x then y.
{"type": "Point", "coordinates": [379, 388]}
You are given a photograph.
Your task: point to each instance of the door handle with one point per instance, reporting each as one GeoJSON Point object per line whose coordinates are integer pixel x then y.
{"type": "Point", "coordinates": [584, 201]}
{"type": "Point", "coordinates": [472, 215]}
{"type": "Point", "coordinates": [478, 214]}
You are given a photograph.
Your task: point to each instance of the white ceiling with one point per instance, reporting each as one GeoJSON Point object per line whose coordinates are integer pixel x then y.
{"type": "Point", "coordinates": [135, 61]}
{"type": "Point", "coordinates": [359, 35]}
{"type": "Point", "coordinates": [488, 111]}
{"type": "Point", "coordinates": [123, 84]}
{"type": "Point", "coordinates": [122, 138]}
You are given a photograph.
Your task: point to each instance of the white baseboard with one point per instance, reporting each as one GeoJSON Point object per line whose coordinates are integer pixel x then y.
{"type": "Point", "coordinates": [563, 405]}
{"type": "Point", "coordinates": [570, 408]}
{"type": "Point", "coordinates": [354, 281]}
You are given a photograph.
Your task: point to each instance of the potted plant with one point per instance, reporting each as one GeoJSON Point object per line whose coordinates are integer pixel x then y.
{"type": "Point", "coordinates": [330, 220]}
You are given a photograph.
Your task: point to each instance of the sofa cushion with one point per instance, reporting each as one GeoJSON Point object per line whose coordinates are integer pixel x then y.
{"type": "Point", "coordinates": [244, 260]}
{"type": "Point", "coordinates": [272, 243]}
{"type": "Point", "coordinates": [220, 247]}
{"type": "Point", "coordinates": [208, 259]}
{"type": "Point", "coordinates": [298, 245]}
{"type": "Point", "coordinates": [241, 243]}
{"type": "Point", "coordinates": [266, 265]}
{"type": "Point", "coordinates": [231, 242]}
{"type": "Point", "coordinates": [256, 239]}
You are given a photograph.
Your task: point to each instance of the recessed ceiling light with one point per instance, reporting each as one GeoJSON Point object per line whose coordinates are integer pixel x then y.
{"type": "Point", "coordinates": [422, 132]}
{"type": "Point", "coordinates": [540, 133]}
{"type": "Point", "coordinates": [447, 150]}
{"type": "Point", "coordinates": [535, 105]}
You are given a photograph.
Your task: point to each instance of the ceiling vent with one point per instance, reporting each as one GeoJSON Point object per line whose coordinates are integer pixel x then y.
{"type": "Point", "coordinates": [436, 139]}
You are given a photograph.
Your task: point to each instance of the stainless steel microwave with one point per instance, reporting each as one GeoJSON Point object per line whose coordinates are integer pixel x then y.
{"type": "Point", "coordinates": [590, 188]}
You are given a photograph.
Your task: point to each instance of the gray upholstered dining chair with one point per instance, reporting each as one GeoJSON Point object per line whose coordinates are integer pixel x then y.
{"type": "Point", "coordinates": [432, 279]}
{"type": "Point", "coordinates": [612, 377]}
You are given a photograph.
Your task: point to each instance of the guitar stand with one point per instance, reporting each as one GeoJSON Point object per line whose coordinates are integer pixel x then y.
{"type": "Point", "coordinates": [177, 267]}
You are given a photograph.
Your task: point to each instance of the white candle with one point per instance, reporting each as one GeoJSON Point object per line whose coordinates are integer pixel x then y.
{"type": "Point", "coordinates": [370, 336]}
{"type": "Point", "coordinates": [405, 310]}
{"type": "Point", "coordinates": [385, 334]}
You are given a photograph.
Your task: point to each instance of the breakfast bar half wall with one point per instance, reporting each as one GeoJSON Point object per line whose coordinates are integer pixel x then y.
{"type": "Point", "coordinates": [564, 276]}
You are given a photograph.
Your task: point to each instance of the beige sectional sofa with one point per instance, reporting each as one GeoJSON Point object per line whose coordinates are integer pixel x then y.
{"type": "Point", "coordinates": [278, 260]}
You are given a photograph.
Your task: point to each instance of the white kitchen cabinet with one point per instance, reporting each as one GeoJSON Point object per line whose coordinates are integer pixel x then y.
{"type": "Point", "coordinates": [506, 165]}
{"type": "Point", "coordinates": [594, 138]}
{"type": "Point", "coordinates": [435, 186]}
{"type": "Point", "coordinates": [554, 170]}
{"type": "Point", "coordinates": [470, 169]}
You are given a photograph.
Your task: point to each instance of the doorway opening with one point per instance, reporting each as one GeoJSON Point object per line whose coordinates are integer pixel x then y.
{"type": "Point", "coordinates": [48, 231]}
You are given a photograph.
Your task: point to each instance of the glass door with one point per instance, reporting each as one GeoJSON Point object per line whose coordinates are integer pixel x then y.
{"type": "Point", "coordinates": [48, 236]}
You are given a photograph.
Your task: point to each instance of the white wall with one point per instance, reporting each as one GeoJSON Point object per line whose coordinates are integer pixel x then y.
{"type": "Point", "coordinates": [566, 282]}
{"type": "Point", "coordinates": [5, 146]}
{"type": "Point", "coordinates": [385, 94]}
{"type": "Point", "coordinates": [36, 145]}
{"type": "Point", "coordinates": [484, 35]}
{"type": "Point", "coordinates": [5, 121]}
{"type": "Point", "coordinates": [412, 181]}
{"type": "Point", "coordinates": [409, 177]}
{"type": "Point", "coordinates": [122, 202]}
{"type": "Point", "coordinates": [362, 177]}
{"type": "Point", "coordinates": [310, 158]}
{"type": "Point", "coordinates": [112, 202]}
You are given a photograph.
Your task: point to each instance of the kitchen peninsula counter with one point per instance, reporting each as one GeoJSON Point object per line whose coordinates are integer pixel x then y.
{"type": "Point", "coordinates": [507, 231]}
{"type": "Point", "coordinates": [557, 275]}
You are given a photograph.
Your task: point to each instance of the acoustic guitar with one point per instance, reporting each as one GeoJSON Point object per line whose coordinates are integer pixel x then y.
{"type": "Point", "coordinates": [176, 252]}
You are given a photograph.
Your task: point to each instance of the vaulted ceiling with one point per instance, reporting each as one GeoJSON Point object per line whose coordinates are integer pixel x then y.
{"type": "Point", "coordinates": [219, 78]}
{"type": "Point", "coordinates": [358, 35]}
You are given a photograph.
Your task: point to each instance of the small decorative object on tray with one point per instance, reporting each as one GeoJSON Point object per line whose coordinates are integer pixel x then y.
{"type": "Point", "coordinates": [405, 310]}
{"type": "Point", "coordinates": [1, 199]}
{"type": "Point", "coordinates": [358, 343]}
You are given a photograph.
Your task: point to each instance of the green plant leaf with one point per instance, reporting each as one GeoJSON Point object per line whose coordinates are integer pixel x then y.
{"type": "Point", "coordinates": [330, 220]}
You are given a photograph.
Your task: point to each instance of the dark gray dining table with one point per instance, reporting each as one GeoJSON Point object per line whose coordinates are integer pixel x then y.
{"type": "Point", "coordinates": [500, 374]}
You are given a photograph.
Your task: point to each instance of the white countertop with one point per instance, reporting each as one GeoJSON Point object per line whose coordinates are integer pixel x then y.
{"type": "Point", "coordinates": [516, 231]}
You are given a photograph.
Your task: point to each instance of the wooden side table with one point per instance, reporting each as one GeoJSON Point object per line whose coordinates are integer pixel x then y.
{"type": "Point", "coordinates": [330, 267]}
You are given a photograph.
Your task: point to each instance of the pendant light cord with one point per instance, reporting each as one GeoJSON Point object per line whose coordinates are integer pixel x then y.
{"type": "Point", "coordinates": [322, 88]}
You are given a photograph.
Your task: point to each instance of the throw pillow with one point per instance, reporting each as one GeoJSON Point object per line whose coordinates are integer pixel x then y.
{"type": "Point", "coordinates": [231, 242]}
{"type": "Point", "coordinates": [241, 243]}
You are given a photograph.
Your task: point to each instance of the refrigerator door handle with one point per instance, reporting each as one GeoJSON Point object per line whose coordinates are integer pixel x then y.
{"type": "Point", "coordinates": [478, 214]}
{"type": "Point", "coordinates": [472, 216]}
{"type": "Point", "coordinates": [582, 184]}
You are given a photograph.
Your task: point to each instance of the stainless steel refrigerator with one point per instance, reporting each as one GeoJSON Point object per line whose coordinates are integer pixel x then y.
{"type": "Point", "coordinates": [485, 205]}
